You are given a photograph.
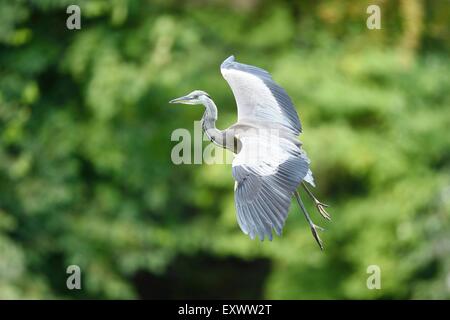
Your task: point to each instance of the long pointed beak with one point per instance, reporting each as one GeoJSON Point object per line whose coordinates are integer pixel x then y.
{"type": "Point", "coordinates": [180, 100]}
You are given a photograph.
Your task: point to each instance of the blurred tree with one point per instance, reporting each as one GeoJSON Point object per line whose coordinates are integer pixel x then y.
{"type": "Point", "coordinates": [86, 175]}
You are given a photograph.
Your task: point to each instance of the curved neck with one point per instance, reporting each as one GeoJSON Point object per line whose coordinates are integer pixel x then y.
{"type": "Point", "coordinates": [219, 137]}
{"type": "Point", "coordinates": [210, 110]}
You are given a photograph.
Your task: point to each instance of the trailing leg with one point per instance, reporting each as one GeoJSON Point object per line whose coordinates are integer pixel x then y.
{"type": "Point", "coordinates": [310, 222]}
{"type": "Point", "coordinates": [319, 205]}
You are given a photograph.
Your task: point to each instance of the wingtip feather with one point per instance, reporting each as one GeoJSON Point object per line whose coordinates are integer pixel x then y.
{"type": "Point", "coordinates": [226, 63]}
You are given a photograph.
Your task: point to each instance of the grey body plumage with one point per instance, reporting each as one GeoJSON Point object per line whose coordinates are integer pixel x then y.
{"type": "Point", "coordinates": [268, 121]}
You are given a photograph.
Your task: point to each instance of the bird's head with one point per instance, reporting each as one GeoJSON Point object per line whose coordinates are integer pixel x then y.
{"type": "Point", "coordinates": [195, 97]}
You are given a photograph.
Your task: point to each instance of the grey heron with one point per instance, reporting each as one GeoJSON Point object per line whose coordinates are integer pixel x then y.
{"type": "Point", "coordinates": [264, 181]}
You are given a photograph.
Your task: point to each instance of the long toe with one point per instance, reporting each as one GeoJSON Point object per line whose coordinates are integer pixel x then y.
{"type": "Point", "coordinates": [316, 235]}
{"type": "Point", "coordinates": [323, 212]}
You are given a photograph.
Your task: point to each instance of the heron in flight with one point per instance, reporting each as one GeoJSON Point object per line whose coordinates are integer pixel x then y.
{"type": "Point", "coordinates": [268, 121]}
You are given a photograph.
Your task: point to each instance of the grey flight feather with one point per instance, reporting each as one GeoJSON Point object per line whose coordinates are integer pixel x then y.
{"type": "Point", "coordinates": [264, 187]}
{"type": "Point", "coordinates": [262, 202]}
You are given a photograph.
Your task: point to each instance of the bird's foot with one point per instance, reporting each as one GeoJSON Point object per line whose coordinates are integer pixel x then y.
{"type": "Point", "coordinates": [321, 208]}
{"type": "Point", "coordinates": [314, 229]}
{"type": "Point", "coordinates": [319, 205]}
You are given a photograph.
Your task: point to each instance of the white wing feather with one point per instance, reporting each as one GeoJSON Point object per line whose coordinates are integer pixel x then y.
{"type": "Point", "coordinates": [258, 97]}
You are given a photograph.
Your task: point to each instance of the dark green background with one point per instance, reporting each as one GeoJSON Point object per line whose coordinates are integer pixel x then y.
{"type": "Point", "coordinates": [86, 176]}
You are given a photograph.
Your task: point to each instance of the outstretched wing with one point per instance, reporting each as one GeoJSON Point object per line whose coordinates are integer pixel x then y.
{"type": "Point", "coordinates": [266, 175]}
{"type": "Point", "coordinates": [258, 97]}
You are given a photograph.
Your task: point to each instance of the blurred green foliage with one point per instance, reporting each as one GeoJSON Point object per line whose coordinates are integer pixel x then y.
{"type": "Point", "coordinates": [86, 175]}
